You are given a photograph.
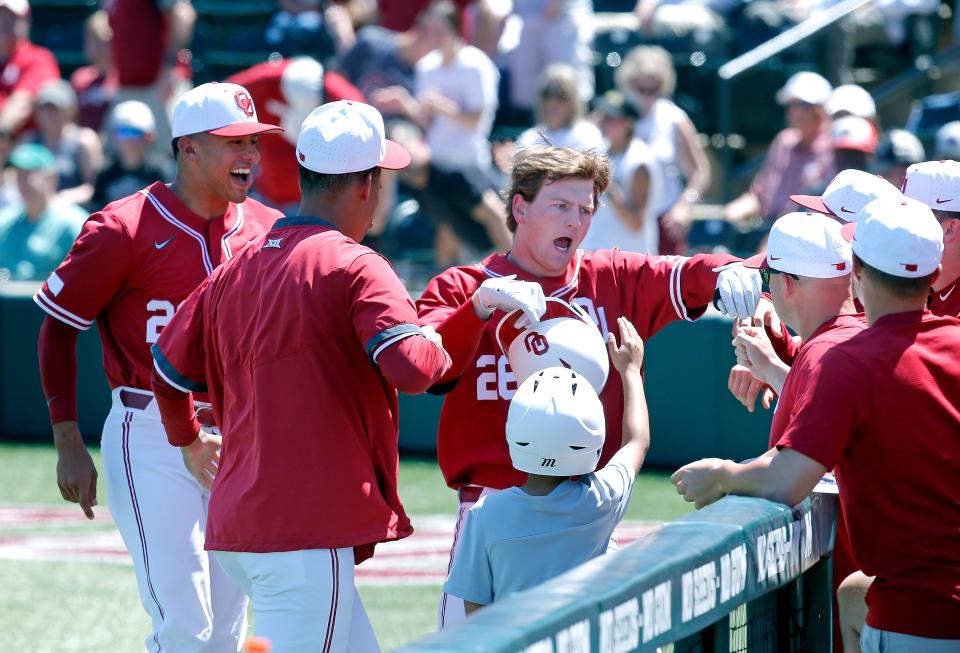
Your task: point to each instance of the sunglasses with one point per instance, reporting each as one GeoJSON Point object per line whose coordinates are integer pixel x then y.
{"type": "Point", "coordinates": [766, 272]}
{"type": "Point", "coordinates": [555, 94]}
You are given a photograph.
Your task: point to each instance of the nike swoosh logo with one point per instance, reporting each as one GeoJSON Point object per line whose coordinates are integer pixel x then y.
{"type": "Point", "coordinates": [844, 209]}
{"type": "Point", "coordinates": [943, 297]}
{"type": "Point", "coordinates": [775, 258]}
{"type": "Point", "coordinates": [157, 245]}
{"type": "Point", "coordinates": [940, 201]}
{"type": "Point", "coordinates": [50, 400]}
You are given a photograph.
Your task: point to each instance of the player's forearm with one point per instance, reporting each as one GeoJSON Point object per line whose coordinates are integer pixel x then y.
{"type": "Point", "coordinates": [461, 333]}
{"type": "Point", "coordinates": [413, 364]}
{"type": "Point", "coordinates": [57, 354]}
{"type": "Point", "coordinates": [762, 477]}
{"type": "Point", "coordinates": [16, 111]}
{"type": "Point", "coordinates": [176, 413]}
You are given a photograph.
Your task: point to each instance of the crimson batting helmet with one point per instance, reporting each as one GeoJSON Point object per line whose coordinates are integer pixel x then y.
{"type": "Point", "coordinates": [565, 337]}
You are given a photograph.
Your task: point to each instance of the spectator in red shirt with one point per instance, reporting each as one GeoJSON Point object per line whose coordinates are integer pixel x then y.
{"type": "Point", "coordinates": [148, 36]}
{"type": "Point", "coordinates": [24, 67]}
{"type": "Point", "coordinates": [95, 84]}
{"type": "Point", "coordinates": [881, 408]}
{"type": "Point", "coordinates": [287, 91]}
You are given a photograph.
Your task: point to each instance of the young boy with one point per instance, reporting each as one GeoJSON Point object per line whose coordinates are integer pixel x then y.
{"type": "Point", "coordinates": [565, 513]}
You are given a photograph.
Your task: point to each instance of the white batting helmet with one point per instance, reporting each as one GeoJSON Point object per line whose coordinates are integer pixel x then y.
{"type": "Point", "coordinates": [564, 337]}
{"type": "Point", "coordinates": [555, 424]}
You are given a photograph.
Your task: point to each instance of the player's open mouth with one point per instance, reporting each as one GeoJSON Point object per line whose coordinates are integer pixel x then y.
{"type": "Point", "coordinates": [563, 244]}
{"type": "Point", "coordinates": [241, 175]}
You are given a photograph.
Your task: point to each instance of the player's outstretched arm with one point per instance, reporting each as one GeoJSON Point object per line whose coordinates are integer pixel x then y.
{"type": "Point", "coordinates": [76, 473]}
{"type": "Point", "coordinates": [628, 360]}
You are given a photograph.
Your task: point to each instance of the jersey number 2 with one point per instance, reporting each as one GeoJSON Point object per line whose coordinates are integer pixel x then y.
{"type": "Point", "coordinates": [163, 313]}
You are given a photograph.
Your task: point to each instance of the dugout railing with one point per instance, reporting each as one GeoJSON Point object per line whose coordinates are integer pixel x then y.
{"type": "Point", "coordinates": [740, 575]}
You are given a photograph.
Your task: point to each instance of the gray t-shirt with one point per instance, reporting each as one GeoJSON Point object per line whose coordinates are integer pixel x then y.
{"type": "Point", "coordinates": [514, 540]}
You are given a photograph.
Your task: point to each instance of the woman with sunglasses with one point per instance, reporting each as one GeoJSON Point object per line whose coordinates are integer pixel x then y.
{"type": "Point", "coordinates": [647, 78]}
{"type": "Point", "coordinates": [560, 113]}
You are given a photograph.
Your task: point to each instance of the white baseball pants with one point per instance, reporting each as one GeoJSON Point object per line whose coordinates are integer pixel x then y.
{"type": "Point", "coordinates": [161, 512]}
{"type": "Point", "coordinates": [303, 601]}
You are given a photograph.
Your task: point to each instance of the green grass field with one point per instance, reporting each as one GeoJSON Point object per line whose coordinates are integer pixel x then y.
{"type": "Point", "coordinates": [93, 607]}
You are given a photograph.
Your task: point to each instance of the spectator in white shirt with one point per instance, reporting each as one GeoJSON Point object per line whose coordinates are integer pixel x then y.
{"type": "Point", "coordinates": [560, 112]}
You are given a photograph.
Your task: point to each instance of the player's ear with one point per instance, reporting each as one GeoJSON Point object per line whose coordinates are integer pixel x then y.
{"type": "Point", "coordinates": [519, 206]}
{"type": "Point", "coordinates": [951, 230]}
{"type": "Point", "coordinates": [188, 147]}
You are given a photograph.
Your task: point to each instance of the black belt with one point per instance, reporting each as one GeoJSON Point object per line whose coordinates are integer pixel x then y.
{"type": "Point", "coordinates": [469, 494]}
{"type": "Point", "coordinates": [135, 400]}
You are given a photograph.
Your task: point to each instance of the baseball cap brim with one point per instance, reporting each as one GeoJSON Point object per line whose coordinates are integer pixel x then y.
{"type": "Point", "coordinates": [812, 202]}
{"type": "Point", "coordinates": [848, 230]}
{"type": "Point", "coordinates": [757, 262]}
{"type": "Point", "coordinates": [246, 129]}
{"type": "Point", "coordinates": [396, 157]}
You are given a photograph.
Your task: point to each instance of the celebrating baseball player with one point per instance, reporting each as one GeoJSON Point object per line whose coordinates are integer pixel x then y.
{"type": "Point", "coordinates": [881, 409]}
{"type": "Point", "coordinates": [303, 340]}
{"type": "Point", "coordinates": [551, 200]}
{"type": "Point", "coordinates": [132, 265]}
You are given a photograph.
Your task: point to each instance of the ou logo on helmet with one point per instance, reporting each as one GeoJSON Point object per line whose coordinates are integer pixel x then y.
{"type": "Point", "coordinates": [536, 344]}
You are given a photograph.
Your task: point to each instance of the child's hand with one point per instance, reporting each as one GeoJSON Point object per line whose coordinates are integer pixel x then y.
{"type": "Point", "coordinates": [629, 355]}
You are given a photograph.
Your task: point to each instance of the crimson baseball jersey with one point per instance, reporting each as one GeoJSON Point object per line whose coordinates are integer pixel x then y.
{"type": "Point", "coordinates": [286, 337]}
{"type": "Point", "coordinates": [278, 177]}
{"type": "Point", "coordinates": [132, 265]}
{"type": "Point", "coordinates": [805, 364]}
{"type": "Point", "coordinates": [884, 411]}
{"type": "Point", "coordinates": [651, 291]}
{"type": "Point", "coordinates": [945, 301]}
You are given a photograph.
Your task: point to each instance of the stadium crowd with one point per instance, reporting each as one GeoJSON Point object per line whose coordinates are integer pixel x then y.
{"type": "Point", "coordinates": [309, 152]}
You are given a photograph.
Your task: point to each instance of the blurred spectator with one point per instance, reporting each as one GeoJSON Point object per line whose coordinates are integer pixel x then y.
{"type": "Point", "coordinates": [24, 69]}
{"type": "Point", "coordinates": [898, 150]}
{"type": "Point", "coordinates": [947, 142]}
{"type": "Point", "coordinates": [382, 58]}
{"type": "Point", "coordinates": [854, 143]}
{"type": "Point", "coordinates": [9, 194]}
{"type": "Point", "coordinates": [672, 19]}
{"type": "Point", "coordinates": [626, 217]}
{"type": "Point", "coordinates": [799, 159]}
{"type": "Point", "coordinates": [285, 92]}
{"type": "Point", "coordinates": [560, 113]}
{"type": "Point", "coordinates": [316, 28]}
{"type": "Point", "coordinates": [77, 150]}
{"type": "Point", "coordinates": [132, 131]}
{"type": "Point", "coordinates": [148, 37]}
{"type": "Point", "coordinates": [36, 234]}
{"type": "Point", "coordinates": [851, 100]}
{"type": "Point", "coordinates": [647, 79]}
{"type": "Point", "coordinates": [96, 84]}
{"type": "Point", "coordinates": [554, 31]}
{"type": "Point", "coordinates": [455, 103]}
{"type": "Point", "coordinates": [401, 15]}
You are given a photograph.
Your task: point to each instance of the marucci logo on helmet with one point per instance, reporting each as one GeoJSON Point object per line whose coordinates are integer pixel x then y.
{"type": "Point", "coordinates": [548, 462]}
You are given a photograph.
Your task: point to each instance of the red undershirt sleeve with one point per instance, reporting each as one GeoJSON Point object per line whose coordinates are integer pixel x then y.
{"type": "Point", "coordinates": [413, 364]}
{"type": "Point", "coordinates": [176, 411]}
{"type": "Point", "coordinates": [57, 353]}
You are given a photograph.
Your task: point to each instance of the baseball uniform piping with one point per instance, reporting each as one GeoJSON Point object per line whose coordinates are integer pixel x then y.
{"type": "Point", "coordinates": [334, 600]}
{"type": "Point", "coordinates": [388, 337]}
{"type": "Point", "coordinates": [225, 240]}
{"type": "Point", "coordinates": [55, 311]}
{"type": "Point", "coordinates": [170, 374]}
{"type": "Point", "coordinates": [169, 217]}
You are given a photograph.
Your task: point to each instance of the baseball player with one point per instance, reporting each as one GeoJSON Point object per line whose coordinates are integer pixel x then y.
{"type": "Point", "coordinates": [303, 340]}
{"type": "Point", "coordinates": [877, 408]}
{"type": "Point", "coordinates": [552, 197]}
{"type": "Point", "coordinates": [526, 535]}
{"type": "Point", "coordinates": [132, 265]}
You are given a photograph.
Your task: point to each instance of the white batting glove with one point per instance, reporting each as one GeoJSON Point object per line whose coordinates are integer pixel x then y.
{"type": "Point", "coordinates": [739, 289]}
{"type": "Point", "coordinates": [508, 294]}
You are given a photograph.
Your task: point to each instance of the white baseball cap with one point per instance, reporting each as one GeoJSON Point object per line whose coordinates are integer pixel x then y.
{"type": "Point", "coordinates": [947, 142]}
{"type": "Point", "coordinates": [133, 114]}
{"type": "Point", "coordinates": [851, 99]}
{"type": "Point", "coordinates": [934, 183]}
{"type": "Point", "coordinates": [347, 136]}
{"type": "Point", "coordinates": [19, 8]}
{"type": "Point", "coordinates": [805, 244]}
{"type": "Point", "coordinates": [899, 238]}
{"type": "Point", "coordinates": [847, 194]}
{"type": "Point", "coordinates": [807, 87]}
{"type": "Point", "coordinates": [854, 133]}
{"type": "Point", "coordinates": [218, 108]}
{"type": "Point", "coordinates": [301, 82]}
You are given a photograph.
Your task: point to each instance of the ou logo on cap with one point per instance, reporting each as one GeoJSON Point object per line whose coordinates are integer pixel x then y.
{"type": "Point", "coordinates": [536, 344]}
{"type": "Point", "coordinates": [244, 102]}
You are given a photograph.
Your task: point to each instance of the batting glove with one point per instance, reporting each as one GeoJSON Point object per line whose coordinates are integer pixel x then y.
{"type": "Point", "coordinates": [738, 290]}
{"type": "Point", "coordinates": [508, 294]}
